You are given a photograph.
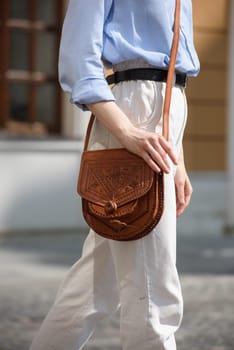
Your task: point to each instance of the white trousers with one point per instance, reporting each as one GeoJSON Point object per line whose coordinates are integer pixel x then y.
{"type": "Point", "coordinates": [138, 276]}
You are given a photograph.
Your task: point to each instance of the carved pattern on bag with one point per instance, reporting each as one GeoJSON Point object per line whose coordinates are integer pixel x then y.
{"type": "Point", "coordinates": [120, 193]}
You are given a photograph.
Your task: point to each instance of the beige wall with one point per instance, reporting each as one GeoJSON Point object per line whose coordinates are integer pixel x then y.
{"type": "Point", "coordinates": [205, 136]}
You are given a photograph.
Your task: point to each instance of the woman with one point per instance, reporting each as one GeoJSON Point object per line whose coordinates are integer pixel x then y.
{"type": "Point", "coordinates": [139, 277]}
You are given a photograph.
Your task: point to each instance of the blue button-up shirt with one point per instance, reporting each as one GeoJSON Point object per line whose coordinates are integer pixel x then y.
{"type": "Point", "coordinates": [116, 31]}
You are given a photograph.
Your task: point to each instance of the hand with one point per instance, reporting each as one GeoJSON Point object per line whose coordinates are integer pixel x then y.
{"type": "Point", "coordinates": [152, 147]}
{"type": "Point", "coordinates": [183, 189]}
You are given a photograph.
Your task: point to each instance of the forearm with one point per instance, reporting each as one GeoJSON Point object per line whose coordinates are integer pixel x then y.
{"type": "Point", "coordinates": [112, 117]}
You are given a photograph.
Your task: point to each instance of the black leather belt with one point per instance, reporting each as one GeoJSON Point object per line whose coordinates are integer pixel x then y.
{"type": "Point", "coordinates": [145, 74]}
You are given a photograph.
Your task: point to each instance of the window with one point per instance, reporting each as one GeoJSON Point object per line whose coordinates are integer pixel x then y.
{"type": "Point", "coordinates": [30, 96]}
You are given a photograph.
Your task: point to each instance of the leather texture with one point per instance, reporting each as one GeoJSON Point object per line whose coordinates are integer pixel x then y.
{"type": "Point", "coordinates": [122, 198]}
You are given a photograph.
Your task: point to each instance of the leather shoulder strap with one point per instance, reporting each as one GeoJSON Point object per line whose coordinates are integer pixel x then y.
{"type": "Point", "coordinates": [170, 77]}
{"type": "Point", "coordinates": [88, 132]}
{"type": "Point", "coordinates": [171, 71]}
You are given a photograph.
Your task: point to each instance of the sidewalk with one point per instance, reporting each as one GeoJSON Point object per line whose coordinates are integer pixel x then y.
{"type": "Point", "coordinates": [32, 267]}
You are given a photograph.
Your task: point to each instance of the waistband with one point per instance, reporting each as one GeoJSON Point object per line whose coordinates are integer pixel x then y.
{"type": "Point", "coordinates": [131, 64]}
{"type": "Point", "coordinates": [139, 69]}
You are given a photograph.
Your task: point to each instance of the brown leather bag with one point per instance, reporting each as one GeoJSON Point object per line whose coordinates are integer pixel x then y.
{"type": "Point", "coordinates": [122, 197]}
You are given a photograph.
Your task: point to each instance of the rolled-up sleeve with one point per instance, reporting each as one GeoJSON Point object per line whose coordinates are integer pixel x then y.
{"type": "Point", "coordinates": [81, 71]}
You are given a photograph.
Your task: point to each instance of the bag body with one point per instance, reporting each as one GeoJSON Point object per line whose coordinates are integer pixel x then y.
{"type": "Point", "coordinates": [122, 198]}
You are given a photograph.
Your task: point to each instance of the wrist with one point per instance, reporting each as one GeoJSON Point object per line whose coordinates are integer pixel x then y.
{"type": "Point", "coordinates": [124, 131]}
{"type": "Point", "coordinates": [113, 118]}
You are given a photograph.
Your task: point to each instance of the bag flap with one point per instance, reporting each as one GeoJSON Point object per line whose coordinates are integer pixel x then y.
{"type": "Point", "coordinates": [114, 174]}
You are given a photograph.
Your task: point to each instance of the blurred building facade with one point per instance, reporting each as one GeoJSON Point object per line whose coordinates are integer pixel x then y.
{"type": "Point", "coordinates": [205, 139]}
{"type": "Point", "coordinates": [41, 133]}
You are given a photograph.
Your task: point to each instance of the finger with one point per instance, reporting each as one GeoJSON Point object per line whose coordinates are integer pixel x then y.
{"type": "Point", "coordinates": [152, 158]}
{"type": "Point", "coordinates": [152, 164]}
{"type": "Point", "coordinates": [180, 199]}
{"type": "Point", "coordinates": [168, 149]}
{"type": "Point", "coordinates": [188, 192]}
{"type": "Point", "coordinates": [159, 156]}
{"type": "Point", "coordinates": [157, 151]}
{"type": "Point", "coordinates": [182, 208]}
{"type": "Point", "coordinates": [187, 199]}
{"type": "Point", "coordinates": [179, 210]}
